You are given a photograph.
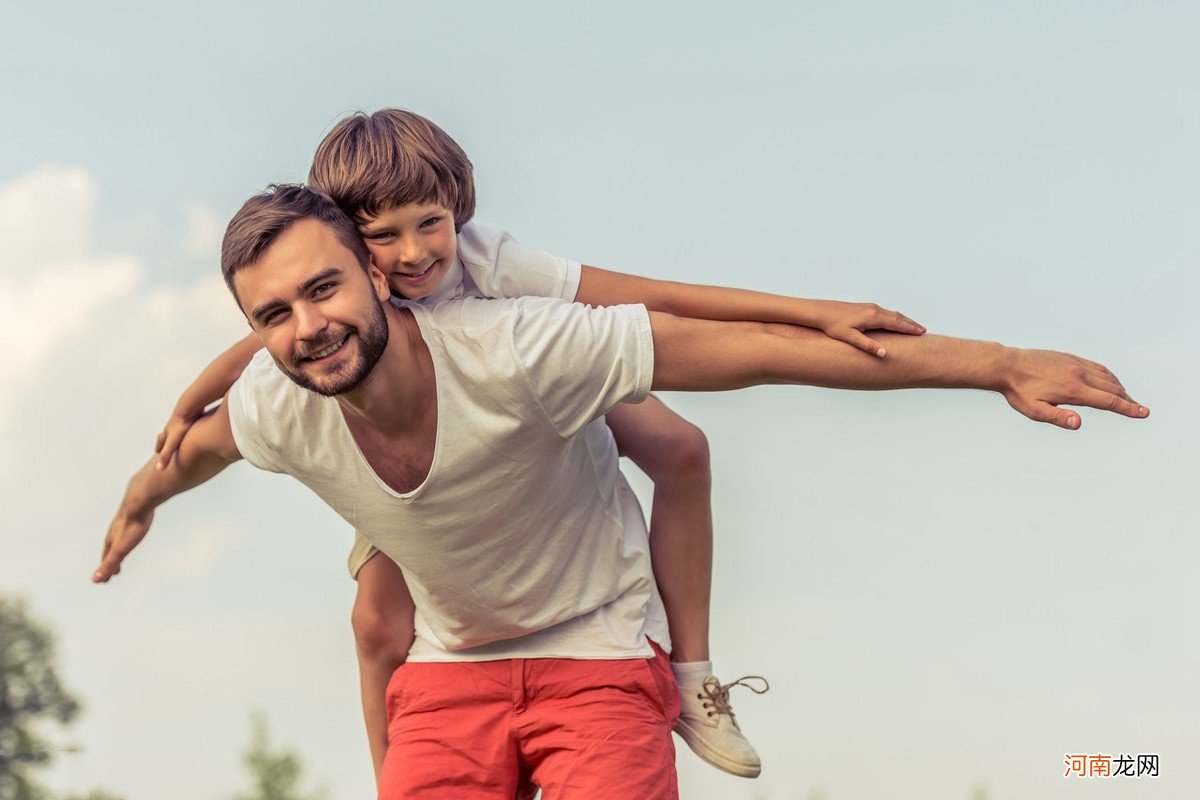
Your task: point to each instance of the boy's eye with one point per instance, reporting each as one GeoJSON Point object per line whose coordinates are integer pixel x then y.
{"type": "Point", "coordinates": [377, 237]}
{"type": "Point", "coordinates": [429, 223]}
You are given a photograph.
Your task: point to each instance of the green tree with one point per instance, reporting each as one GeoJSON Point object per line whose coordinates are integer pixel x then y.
{"type": "Point", "coordinates": [31, 696]}
{"type": "Point", "coordinates": [275, 774]}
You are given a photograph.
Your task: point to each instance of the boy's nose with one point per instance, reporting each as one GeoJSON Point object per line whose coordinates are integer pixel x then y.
{"type": "Point", "coordinates": [412, 252]}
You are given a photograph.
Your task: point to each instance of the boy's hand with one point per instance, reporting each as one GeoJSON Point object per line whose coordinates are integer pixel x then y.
{"type": "Point", "coordinates": [168, 441]}
{"type": "Point", "coordinates": [847, 321]}
{"type": "Point", "coordinates": [127, 529]}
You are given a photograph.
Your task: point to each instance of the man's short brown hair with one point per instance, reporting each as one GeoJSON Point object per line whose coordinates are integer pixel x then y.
{"type": "Point", "coordinates": [265, 217]}
{"type": "Point", "coordinates": [369, 163]}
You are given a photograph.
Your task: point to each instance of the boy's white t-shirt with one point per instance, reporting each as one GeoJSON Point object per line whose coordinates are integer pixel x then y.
{"type": "Point", "coordinates": [491, 264]}
{"type": "Point", "coordinates": [524, 541]}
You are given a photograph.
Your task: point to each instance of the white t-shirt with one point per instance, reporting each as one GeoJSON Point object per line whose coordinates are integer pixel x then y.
{"type": "Point", "coordinates": [491, 264]}
{"type": "Point", "coordinates": [524, 541]}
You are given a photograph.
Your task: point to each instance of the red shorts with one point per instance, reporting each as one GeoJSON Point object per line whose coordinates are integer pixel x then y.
{"type": "Point", "coordinates": [579, 730]}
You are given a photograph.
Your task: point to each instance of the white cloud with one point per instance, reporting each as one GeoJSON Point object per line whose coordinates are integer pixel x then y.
{"type": "Point", "coordinates": [43, 216]}
{"type": "Point", "coordinates": [204, 231]}
{"type": "Point", "coordinates": [193, 550]}
{"type": "Point", "coordinates": [75, 321]}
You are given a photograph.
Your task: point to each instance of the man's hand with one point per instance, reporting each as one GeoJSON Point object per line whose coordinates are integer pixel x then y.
{"type": "Point", "coordinates": [206, 450]}
{"type": "Point", "coordinates": [127, 529]}
{"type": "Point", "coordinates": [1036, 382]}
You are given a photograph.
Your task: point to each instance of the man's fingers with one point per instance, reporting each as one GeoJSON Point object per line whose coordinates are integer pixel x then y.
{"type": "Point", "coordinates": [1042, 411]}
{"type": "Point", "coordinates": [158, 442]}
{"type": "Point", "coordinates": [110, 565]}
{"type": "Point", "coordinates": [1105, 385]}
{"type": "Point", "coordinates": [1108, 401]}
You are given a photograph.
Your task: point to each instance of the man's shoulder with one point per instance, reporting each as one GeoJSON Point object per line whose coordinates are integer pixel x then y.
{"type": "Point", "coordinates": [266, 398]}
{"type": "Point", "coordinates": [475, 313]}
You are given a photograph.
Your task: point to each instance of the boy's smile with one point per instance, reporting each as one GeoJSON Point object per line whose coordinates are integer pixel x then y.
{"type": "Point", "coordinates": [413, 245]}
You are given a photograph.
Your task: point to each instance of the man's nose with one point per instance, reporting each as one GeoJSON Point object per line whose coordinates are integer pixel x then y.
{"type": "Point", "coordinates": [309, 321]}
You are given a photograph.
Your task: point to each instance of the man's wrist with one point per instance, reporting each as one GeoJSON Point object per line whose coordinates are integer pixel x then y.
{"type": "Point", "coordinates": [139, 500]}
{"type": "Point", "coordinates": [998, 366]}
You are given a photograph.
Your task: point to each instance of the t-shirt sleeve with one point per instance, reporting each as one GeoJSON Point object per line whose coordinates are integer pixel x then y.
{"type": "Point", "coordinates": [246, 417]}
{"type": "Point", "coordinates": [501, 267]}
{"type": "Point", "coordinates": [582, 361]}
{"type": "Point", "coordinates": [360, 553]}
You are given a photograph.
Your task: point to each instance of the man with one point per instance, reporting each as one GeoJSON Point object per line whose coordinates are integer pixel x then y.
{"type": "Point", "coordinates": [459, 441]}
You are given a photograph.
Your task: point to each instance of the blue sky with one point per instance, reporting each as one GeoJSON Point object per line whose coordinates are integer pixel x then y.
{"type": "Point", "coordinates": [945, 596]}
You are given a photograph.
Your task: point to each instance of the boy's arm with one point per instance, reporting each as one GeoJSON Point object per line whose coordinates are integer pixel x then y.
{"type": "Point", "coordinates": [206, 450]}
{"type": "Point", "coordinates": [842, 321]}
{"type": "Point", "coordinates": [209, 387]}
{"type": "Point", "coordinates": [700, 355]}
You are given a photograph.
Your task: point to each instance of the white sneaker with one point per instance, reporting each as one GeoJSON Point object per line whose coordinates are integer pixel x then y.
{"type": "Point", "coordinates": [707, 723]}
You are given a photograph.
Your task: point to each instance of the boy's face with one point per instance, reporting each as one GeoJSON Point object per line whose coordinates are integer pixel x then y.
{"type": "Point", "coordinates": [413, 245]}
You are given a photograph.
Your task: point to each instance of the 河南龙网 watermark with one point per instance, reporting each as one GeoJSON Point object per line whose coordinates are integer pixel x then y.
{"type": "Point", "coordinates": [1105, 765]}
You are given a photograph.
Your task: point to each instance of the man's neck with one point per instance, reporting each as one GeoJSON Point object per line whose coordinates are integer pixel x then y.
{"type": "Point", "coordinates": [401, 390]}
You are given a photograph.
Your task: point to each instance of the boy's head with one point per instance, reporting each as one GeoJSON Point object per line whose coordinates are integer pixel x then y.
{"type": "Point", "coordinates": [370, 163]}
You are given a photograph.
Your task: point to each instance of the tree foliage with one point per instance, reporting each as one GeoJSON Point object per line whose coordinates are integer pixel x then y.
{"type": "Point", "coordinates": [275, 774]}
{"type": "Point", "coordinates": [31, 696]}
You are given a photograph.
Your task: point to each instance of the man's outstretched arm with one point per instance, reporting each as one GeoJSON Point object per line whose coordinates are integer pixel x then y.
{"type": "Point", "coordinates": [207, 449]}
{"type": "Point", "coordinates": [701, 355]}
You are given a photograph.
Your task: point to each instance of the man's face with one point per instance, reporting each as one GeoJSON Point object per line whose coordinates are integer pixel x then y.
{"type": "Point", "coordinates": [413, 245]}
{"type": "Point", "coordinates": [318, 313]}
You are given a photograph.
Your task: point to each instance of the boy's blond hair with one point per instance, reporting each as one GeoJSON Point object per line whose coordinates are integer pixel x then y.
{"type": "Point", "coordinates": [369, 163]}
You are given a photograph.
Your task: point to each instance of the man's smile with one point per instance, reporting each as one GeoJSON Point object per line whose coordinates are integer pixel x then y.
{"type": "Point", "coordinates": [327, 351]}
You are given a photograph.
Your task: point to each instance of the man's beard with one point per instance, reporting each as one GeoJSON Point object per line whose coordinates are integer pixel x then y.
{"type": "Point", "coordinates": [372, 341]}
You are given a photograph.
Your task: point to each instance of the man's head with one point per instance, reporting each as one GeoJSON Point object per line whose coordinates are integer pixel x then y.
{"type": "Point", "coordinates": [302, 276]}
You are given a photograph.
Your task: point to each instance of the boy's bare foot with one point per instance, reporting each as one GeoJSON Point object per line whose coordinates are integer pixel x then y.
{"type": "Point", "coordinates": [708, 725]}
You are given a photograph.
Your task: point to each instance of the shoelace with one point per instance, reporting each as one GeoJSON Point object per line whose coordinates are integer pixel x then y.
{"type": "Point", "coordinates": [718, 693]}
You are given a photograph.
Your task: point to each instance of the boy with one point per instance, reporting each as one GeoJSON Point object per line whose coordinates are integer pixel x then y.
{"type": "Point", "coordinates": [409, 188]}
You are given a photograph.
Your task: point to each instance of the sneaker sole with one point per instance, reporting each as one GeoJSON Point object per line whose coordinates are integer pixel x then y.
{"type": "Point", "coordinates": [712, 757]}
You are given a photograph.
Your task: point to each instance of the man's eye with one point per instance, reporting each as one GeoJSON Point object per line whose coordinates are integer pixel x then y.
{"type": "Point", "coordinates": [324, 288]}
{"type": "Point", "coordinates": [273, 317]}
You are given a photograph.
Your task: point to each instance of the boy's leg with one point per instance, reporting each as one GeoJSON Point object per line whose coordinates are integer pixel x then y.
{"type": "Point", "coordinates": [674, 455]}
{"type": "Point", "coordinates": [383, 633]}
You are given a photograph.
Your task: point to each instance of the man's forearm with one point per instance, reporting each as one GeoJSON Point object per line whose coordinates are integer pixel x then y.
{"type": "Point", "coordinates": [695, 355]}
{"type": "Point", "coordinates": [207, 449]}
{"type": "Point", "coordinates": [700, 355]}
{"type": "Point", "coordinates": [150, 486]}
